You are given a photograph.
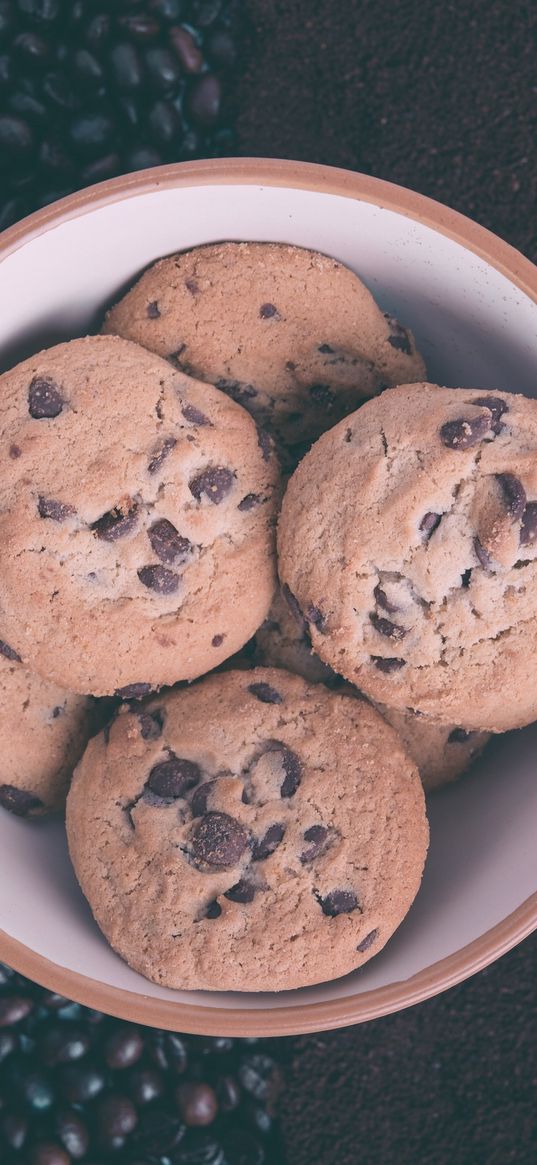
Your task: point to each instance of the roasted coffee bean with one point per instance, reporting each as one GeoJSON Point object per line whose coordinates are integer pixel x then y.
{"type": "Point", "coordinates": [163, 69]}
{"type": "Point", "coordinates": [72, 1133]}
{"type": "Point", "coordinates": [13, 1008]}
{"type": "Point", "coordinates": [123, 1048]}
{"type": "Point", "coordinates": [126, 67]}
{"type": "Point", "coordinates": [204, 99]}
{"type": "Point", "coordinates": [186, 49]}
{"type": "Point", "coordinates": [145, 1085]}
{"type": "Point", "coordinates": [197, 1104]}
{"type": "Point", "coordinates": [260, 1076]}
{"type": "Point", "coordinates": [64, 1044]}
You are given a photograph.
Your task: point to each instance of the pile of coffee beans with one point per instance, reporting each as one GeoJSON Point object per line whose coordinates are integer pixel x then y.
{"type": "Point", "coordinates": [92, 89]}
{"type": "Point", "coordinates": [78, 1086]}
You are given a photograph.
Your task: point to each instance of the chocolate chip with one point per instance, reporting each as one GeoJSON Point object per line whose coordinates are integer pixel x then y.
{"type": "Point", "coordinates": [167, 543]}
{"type": "Point", "coordinates": [133, 691]}
{"type": "Point", "coordinates": [528, 530]}
{"type": "Point", "coordinates": [14, 452]}
{"type": "Point", "coordinates": [266, 444]}
{"type": "Point", "coordinates": [387, 665]}
{"type": "Point", "coordinates": [290, 365]}
{"type": "Point", "coordinates": [195, 416]}
{"type": "Point", "coordinates": [463, 433]}
{"type": "Point", "coordinates": [496, 406]}
{"type": "Point", "coordinates": [293, 772]}
{"type": "Point", "coordinates": [367, 942]}
{"type": "Point", "coordinates": [215, 482]}
{"type": "Point", "coordinates": [18, 801]}
{"type": "Point", "coordinates": [315, 616]}
{"type": "Point", "coordinates": [466, 577]}
{"type": "Point", "coordinates": [429, 523]}
{"type": "Point", "coordinates": [160, 454]}
{"type": "Point", "coordinates": [514, 494]}
{"type": "Point", "coordinates": [159, 579]}
{"type": "Point", "coordinates": [348, 435]}
{"type": "Point", "coordinates": [57, 511]}
{"type": "Point", "coordinates": [217, 640]}
{"type": "Point", "coordinates": [338, 902]}
{"type": "Point", "coordinates": [9, 652]}
{"type": "Point", "coordinates": [325, 349]}
{"type": "Point", "coordinates": [317, 836]}
{"type": "Point", "coordinates": [399, 338]}
{"type": "Point", "coordinates": [249, 502]}
{"type": "Point", "coordinates": [268, 843]}
{"type": "Point", "coordinates": [383, 601]}
{"type": "Point", "coordinates": [218, 840]}
{"type": "Point", "coordinates": [459, 736]}
{"type": "Point", "coordinates": [213, 910]}
{"type": "Point", "coordinates": [44, 399]}
{"type": "Point", "coordinates": [241, 393]}
{"type": "Point", "coordinates": [386, 627]}
{"type": "Point", "coordinates": [116, 523]}
{"type": "Point", "coordinates": [265, 693]}
{"type": "Point", "coordinates": [153, 310]}
{"type": "Point", "coordinates": [481, 554]}
{"type": "Point", "coordinates": [192, 286]}
{"type": "Point", "coordinates": [323, 396]}
{"type": "Point", "coordinates": [151, 724]}
{"type": "Point", "coordinates": [242, 892]}
{"type": "Point", "coordinates": [268, 311]}
{"type": "Point", "coordinates": [172, 777]}
{"type": "Point", "coordinates": [200, 797]}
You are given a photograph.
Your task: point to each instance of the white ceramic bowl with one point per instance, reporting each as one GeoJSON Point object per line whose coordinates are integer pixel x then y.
{"type": "Point", "coordinates": [472, 303]}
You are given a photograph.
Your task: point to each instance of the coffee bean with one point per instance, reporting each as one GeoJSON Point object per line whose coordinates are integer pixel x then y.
{"type": "Point", "coordinates": [40, 11]}
{"type": "Point", "coordinates": [228, 1093]}
{"type": "Point", "coordinates": [72, 1133]}
{"type": "Point", "coordinates": [323, 396]}
{"type": "Point", "coordinates": [200, 1148]}
{"type": "Point", "coordinates": [59, 92]}
{"type": "Point", "coordinates": [463, 434]}
{"type": "Point", "coordinates": [268, 843]}
{"type": "Point", "coordinates": [214, 483]}
{"type": "Point", "coordinates": [514, 494]}
{"type": "Point", "coordinates": [158, 1133]}
{"type": "Point", "coordinates": [259, 1075]}
{"type": "Point", "coordinates": [116, 1117]}
{"type": "Point", "coordinates": [49, 1153]}
{"type": "Point", "coordinates": [13, 1008]}
{"type": "Point", "coordinates": [268, 311]}
{"type": "Point", "coordinates": [37, 1091]}
{"type": "Point", "coordinates": [481, 554]}
{"type": "Point", "coordinates": [198, 804]}
{"type": "Point", "coordinates": [204, 98]}
{"type": "Point", "coordinates": [242, 892]}
{"type": "Point", "coordinates": [386, 664]}
{"type": "Point", "coordinates": [167, 543]}
{"type": "Point", "coordinates": [8, 1043]}
{"type": "Point", "coordinates": [44, 399]}
{"type": "Point", "coordinates": [16, 139]}
{"type": "Point", "coordinates": [63, 1045]}
{"type": "Point", "coordinates": [367, 942]}
{"type": "Point", "coordinates": [151, 724]}
{"type": "Point", "coordinates": [18, 801]}
{"type": "Point", "coordinates": [32, 50]}
{"type": "Point", "coordinates": [163, 69]}
{"type": "Point", "coordinates": [187, 51]}
{"type": "Point", "coordinates": [139, 27]}
{"type": "Point", "coordinates": [265, 693]}
{"type": "Point", "coordinates": [145, 1085]}
{"type": "Point", "coordinates": [91, 133]}
{"type": "Point", "coordinates": [171, 778]}
{"type": "Point", "coordinates": [169, 10]}
{"type": "Point", "coordinates": [386, 627]}
{"type": "Point", "coordinates": [218, 840]}
{"type": "Point", "coordinates": [159, 579]}
{"type": "Point", "coordinates": [101, 168]}
{"type": "Point", "coordinates": [221, 49]}
{"type": "Point", "coordinates": [161, 453]}
{"type": "Point", "coordinates": [126, 67]}
{"type": "Point", "coordinates": [528, 530]}
{"type": "Point", "coordinates": [197, 1104]}
{"type": "Point", "coordinates": [133, 691]}
{"type": "Point", "coordinates": [123, 1048]}
{"type": "Point", "coordinates": [399, 337]}
{"type": "Point", "coordinates": [195, 416]}
{"type": "Point", "coordinates": [15, 1130]}
{"type": "Point", "coordinates": [317, 837]}
{"type": "Point", "coordinates": [143, 158]}
{"type": "Point", "coordinates": [57, 511]}
{"type": "Point", "coordinates": [429, 523]}
{"type": "Point", "coordinates": [177, 1052]}
{"type": "Point", "coordinates": [249, 502]}
{"type": "Point", "coordinates": [152, 310]}
{"type": "Point", "coordinates": [87, 70]}
{"type": "Point", "coordinates": [206, 11]}
{"type": "Point", "coordinates": [338, 902]}
{"type": "Point", "coordinates": [81, 1083]}
{"type": "Point", "coordinates": [116, 523]}
{"type": "Point", "coordinates": [164, 123]}
{"type": "Point", "coordinates": [9, 652]}
{"type": "Point", "coordinates": [459, 736]}
{"type": "Point", "coordinates": [496, 406]}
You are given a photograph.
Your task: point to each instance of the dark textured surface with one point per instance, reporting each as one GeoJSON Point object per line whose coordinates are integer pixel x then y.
{"type": "Point", "coordinates": [438, 97]}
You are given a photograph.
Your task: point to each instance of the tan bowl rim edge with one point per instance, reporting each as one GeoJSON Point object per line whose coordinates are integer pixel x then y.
{"type": "Point", "coordinates": [299, 1018]}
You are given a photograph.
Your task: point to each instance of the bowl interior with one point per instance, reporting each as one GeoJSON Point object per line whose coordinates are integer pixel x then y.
{"type": "Point", "coordinates": [475, 328]}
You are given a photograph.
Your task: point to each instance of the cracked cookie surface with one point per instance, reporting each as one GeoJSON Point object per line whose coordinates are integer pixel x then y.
{"type": "Point", "coordinates": [252, 832]}
{"type": "Point", "coordinates": [291, 334]}
{"type": "Point", "coordinates": [137, 513]}
{"type": "Point", "coordinates": [408, 538]}
{"type": "Point", "coordinates": [44, 731]}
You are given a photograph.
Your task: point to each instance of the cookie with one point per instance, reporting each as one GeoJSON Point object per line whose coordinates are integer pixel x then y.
{"type": "Point", "coordinates": [283, 641]}
{"type": "Point", "coordinates": [252, 832]}
{"type": "Point", "coordinates": [44, 731]}
{"type": "Point", "coordinates": [408, 538]}
{"type": "Point", "coordinates": [292, 335]}
{"type": "Point", "coordinates": [137, 514]}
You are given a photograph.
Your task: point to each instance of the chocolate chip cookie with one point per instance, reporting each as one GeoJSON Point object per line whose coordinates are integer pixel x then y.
{"type": "Point", "coordinates": [293, 335]}
{"type": "Point", "coordinates": [44, 731]}
{"type": "Point", "coordinates": [408, 538]}
{"type": "Point", "coordinates": [252, 832]}
{"type": "Point", "coordinates": [137, 514]}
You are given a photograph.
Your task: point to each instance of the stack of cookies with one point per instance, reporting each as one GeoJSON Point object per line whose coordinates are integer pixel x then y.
{"type": "Point", "coordinates": [263, 827]}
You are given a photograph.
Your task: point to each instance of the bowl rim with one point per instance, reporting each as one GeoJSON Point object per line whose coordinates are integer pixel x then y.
{"type": "Point", "coordinates": [299, 1018]}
